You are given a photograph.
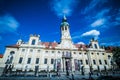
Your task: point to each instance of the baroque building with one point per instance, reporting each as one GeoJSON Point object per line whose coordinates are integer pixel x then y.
{"type": "Point", "coordinates": [63, 56]}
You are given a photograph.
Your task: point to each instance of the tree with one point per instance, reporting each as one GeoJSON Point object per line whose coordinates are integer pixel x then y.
{"type": "Point", "coordinates": [116, 55]}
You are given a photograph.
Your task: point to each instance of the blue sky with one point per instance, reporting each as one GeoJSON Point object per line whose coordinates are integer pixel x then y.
{"type": "Point", "coordinates": [87, 18]}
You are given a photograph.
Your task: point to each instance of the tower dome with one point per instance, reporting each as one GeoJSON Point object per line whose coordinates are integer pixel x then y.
{"type": "Point", "coordinates": [64, 21]}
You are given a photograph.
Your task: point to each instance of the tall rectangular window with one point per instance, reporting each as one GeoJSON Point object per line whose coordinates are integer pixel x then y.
{"type": "Point", "coordinates": [81, 61]}
{"type": "Point", "coordinates": [95, 46]}
{"type": "Point", "coordinates": [86, 61]}
{"type": "Point", "coordinates": [20, 60]}
{"type": "Point", "coordinates": [33, 42]}
{"type": "Point", "coordinates": [37, 61]}
{"type": "Point", "coordinates": [29, 61]}
{"type": "Point", "coordinates": [94, 62]}
{"type": "Point", "coordinates": [100, 62]}
{"type": "Point", "coordinates": [105, 62]}
{"type": "Point", "coordinates": [52, 61]}
{"type": "Point", "coordinates": [45, 61]}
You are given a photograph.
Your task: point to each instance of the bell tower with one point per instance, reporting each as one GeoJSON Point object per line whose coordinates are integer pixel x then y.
{"type": "Point", "coordinates": [66, 41]}
{"type": "Point", "coordinates": [65, 32]}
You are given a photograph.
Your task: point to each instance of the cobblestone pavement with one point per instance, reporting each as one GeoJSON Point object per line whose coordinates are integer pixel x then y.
{"type": "Point", "coordinates": [62, 77]}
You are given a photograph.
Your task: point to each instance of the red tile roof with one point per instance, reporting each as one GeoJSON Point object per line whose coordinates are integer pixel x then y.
{"type": "Point", "coordinates": [80, 46]}
{"type": "Point", "coordinates": [1, 56]}
{"type": "Point", "coordinates": [50, 44]}
{"type": "Point", "coordinates": [13, 46]}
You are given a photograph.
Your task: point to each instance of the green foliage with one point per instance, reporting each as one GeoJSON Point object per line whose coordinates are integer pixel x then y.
{"type": "Point", "coordinates": [116, 55]}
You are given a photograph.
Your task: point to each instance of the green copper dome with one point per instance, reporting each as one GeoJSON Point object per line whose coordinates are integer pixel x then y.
{"type": "Point", "coordinates": [64, 22]}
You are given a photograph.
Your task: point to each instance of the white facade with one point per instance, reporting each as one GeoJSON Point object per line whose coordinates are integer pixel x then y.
{"type": "Point", "coordinates": [57, 56]}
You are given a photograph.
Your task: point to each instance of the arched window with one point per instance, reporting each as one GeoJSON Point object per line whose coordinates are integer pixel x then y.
{"type": "Point", "coordinates": [33, 42]}
{"type": "Point", "coordinates": [62, 28]}
{"type": "Point", "coordinates": [65, 27]}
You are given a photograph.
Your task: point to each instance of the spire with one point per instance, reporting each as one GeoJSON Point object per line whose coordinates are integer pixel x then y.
{"type": "Point", "coordinates": [64, 19]}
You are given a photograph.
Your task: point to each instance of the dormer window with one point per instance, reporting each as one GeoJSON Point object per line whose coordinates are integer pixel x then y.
{"type": "Point", "coordinates": [33, 42]}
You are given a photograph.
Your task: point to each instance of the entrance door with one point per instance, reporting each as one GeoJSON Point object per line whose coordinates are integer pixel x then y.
{"type": "Point", "coordinates": [68, 66]}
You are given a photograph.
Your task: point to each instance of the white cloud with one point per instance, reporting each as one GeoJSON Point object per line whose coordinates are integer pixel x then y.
{"type": "Point", "coordinates": [93, 4]}
{"type": "Point", "coordinates": [81, 43]}
{"type": "Point", "coordinates": [76, 36]}
{"type": "Point", "coordinates": [93, 33]}
{"type": "Point", "coordinates": [102, 13]}
{"type": "Point", "coordinates": [8, 24]}
{"type": "Point", "coordinates": [98, 22]}
{"type": "Point", "coordinates": [62, 7]}
{"type": "Point", "coordinates": [111, 43]}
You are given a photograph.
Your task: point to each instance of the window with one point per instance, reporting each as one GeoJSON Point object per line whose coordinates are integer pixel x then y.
{"type": "Point", "coordinates": [29, 60]}
{"type": "Point", "coordinates": [86, 61]}
{"type": "Point", "coordinates": [52, 51]}
{"type": "Point", "coordinates": [81, 61]}
{"type": "Point", "coordinates": [58, 51]}
{"type": "Point", "coordinates": [79, 53]}
{"type": "Point", "coordinates": [74, 52]}
{"type": "Point", "coordinates": [94, 62]}
{"type": "Point", "coordinates": [92, 53]}
{"type": "Point", "coordinates": [65, 27]}
{"type": "Point", "coordinates": [38, 51]}
{"type": "Point", "coordinates": [111, 62]}
{"type": "Point", "coordinates": [45, 61]}
{"type": "Point", "coordinates": [33, 42]}
{"type": "Point", "coordinates": [31, 50]}
{"type": "Point", "coordinates": [23, 50]}
{"type": "Point", "coordinates": [97, 53]}
{"type": "Point", "coordinates": [100, 62]}
{"type": "Point", "coordinates": [46, 51]}
{"type": "Point", "coordinates": [95, 46]}
{"type": "Point", "coordinates": [20, 60]}
{"type": "Point", "coordinates": [105, 62]}
{"type": "Point", "coordinates": [12, 52]}
{"type": "Point", "coordinates": [37, 61]}
{"type": "Point", "coordinates": [85, 53]}
{"type": "Point", "coordinates": [62, 28]}
{"type": "Point", "coordinates": [102, 53]}
{"type": "Point", "coordinates": [52, 61]}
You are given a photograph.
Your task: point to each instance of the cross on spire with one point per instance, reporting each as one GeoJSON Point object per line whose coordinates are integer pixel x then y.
{"type": "Point", "coordinates": [64, 19]}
